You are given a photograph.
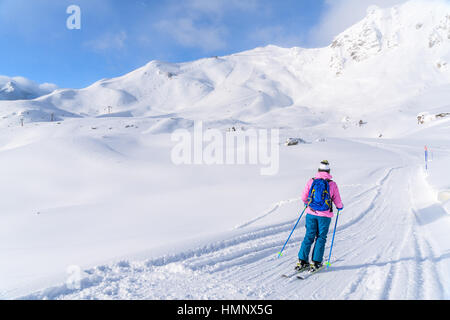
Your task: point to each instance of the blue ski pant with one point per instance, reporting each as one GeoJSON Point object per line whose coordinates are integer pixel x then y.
{"type": "Point", "coordinates": [316, 232]}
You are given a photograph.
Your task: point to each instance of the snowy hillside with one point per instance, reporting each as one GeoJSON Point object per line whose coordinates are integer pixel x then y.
{"type": "Point", "coordinates": [90, 192]}
{"type": "Point", "coordinates": [109, 206]}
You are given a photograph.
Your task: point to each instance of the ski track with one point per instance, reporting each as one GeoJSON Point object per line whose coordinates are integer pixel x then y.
{"type": "Point", "coordinates": [380, 253]}
{"type": "Point", "coordinates": [274, 208]}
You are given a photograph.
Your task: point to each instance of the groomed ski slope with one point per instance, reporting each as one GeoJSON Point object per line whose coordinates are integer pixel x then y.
{"type": "Point", "coordinates": [391, 243]}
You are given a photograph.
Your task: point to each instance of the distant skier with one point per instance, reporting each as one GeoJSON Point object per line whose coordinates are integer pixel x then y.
{"type": "Point", "coordinates": [319, 194]}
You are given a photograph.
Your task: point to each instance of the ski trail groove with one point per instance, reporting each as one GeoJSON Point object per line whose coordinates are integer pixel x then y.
{"type": "Point", "coordinates": [274, 208]}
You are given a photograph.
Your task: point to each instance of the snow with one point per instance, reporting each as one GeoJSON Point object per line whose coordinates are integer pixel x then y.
{"type": "Point", "coordinates": [94, 208]}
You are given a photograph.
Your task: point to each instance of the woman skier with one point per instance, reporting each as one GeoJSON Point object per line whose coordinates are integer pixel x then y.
{"type": "Point", "coordinates": [319, 194]}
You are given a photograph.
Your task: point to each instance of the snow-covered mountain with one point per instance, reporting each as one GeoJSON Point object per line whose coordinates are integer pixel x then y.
{"type": "Point", "coordinates": [19, 88]}
{"type": "Point", "coordinates": [408, 46]}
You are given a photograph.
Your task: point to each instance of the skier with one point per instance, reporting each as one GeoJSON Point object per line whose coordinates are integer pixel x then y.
{"type": "Point", "coordinates": [319, 194]}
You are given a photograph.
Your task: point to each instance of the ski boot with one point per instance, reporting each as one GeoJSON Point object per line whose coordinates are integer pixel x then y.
{"type": "Point", "coordinates": [302, 265]}
{"type": "Point", "coordinates": [315, 266]}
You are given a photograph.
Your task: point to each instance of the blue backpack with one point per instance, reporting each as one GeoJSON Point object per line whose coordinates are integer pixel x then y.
{"type": "Point", "coordinates": [319, 198]}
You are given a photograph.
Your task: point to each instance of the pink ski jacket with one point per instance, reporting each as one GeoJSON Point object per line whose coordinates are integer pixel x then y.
{"type": "Point", "coordinates": [334, 193]}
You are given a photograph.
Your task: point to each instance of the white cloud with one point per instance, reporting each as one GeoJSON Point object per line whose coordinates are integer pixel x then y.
{"type": "Point", "coordinates": [341, 14]}
{"type": "Point", "coordinates": [276, 35]}
{"type": "Point", "coordinates": [200, 23]}
{"type": "Point", "coordinates": [26, 85]}
{"type": "Point", "coordinates": [188, 34]}
{"type": "Point", "coordinates": [108, 41]}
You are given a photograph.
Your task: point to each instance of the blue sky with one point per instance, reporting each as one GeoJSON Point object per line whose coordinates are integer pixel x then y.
{"type": "Point", "coordinates": [118, 36]}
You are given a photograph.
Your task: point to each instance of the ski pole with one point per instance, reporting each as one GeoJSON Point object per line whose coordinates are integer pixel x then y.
{"type": "Point", "coordinates": [279, 253]}
{"type": "Point", "coordinates": [332, 241]}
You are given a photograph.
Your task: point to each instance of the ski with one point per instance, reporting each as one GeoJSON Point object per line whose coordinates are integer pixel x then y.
{"type": "Point", "coordinates": [311, 273]}
{"type": "Point", "coordinates": [290, 275]}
